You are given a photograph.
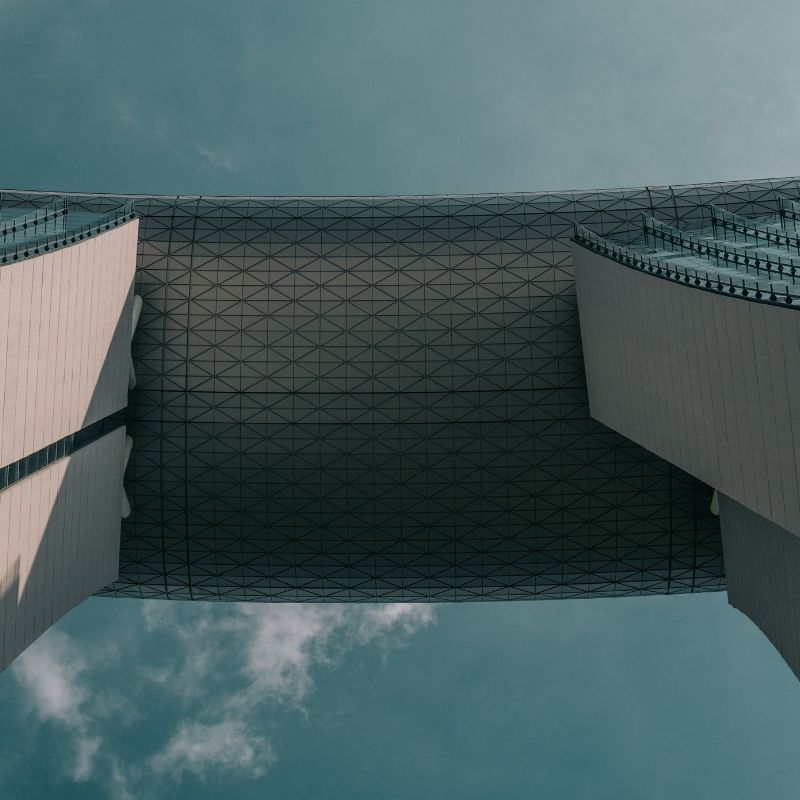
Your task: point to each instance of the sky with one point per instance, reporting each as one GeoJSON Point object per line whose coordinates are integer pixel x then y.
{"type": "Point", "coordinates": [661, 697]}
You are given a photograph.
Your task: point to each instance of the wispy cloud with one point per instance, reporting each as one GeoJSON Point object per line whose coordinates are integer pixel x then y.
{"type": "Point", "coordinates": [226, 745]}
{"type": "Point", "coordinates": [121, 779]}
{"type": "Point", "coordinates": [225, 672]}
{"type": "Point", "coordinates": [128, 114]}
{"type": "Point", "coordinates": [52, 674]}
{"type": "Point", "coordinates": [217, 159]}
{"type": "Point", "coordinates": [268, 654]}
{"type": "Point", "coordinates": [124, 114]}
{"type": "Point", "coordinates": [277, 646]}
{"type": "Point", "coordinates": [88, 748]}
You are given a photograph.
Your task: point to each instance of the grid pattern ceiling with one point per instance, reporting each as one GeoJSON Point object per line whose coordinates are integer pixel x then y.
{"type": "Point", "coordinates": [384, 399]}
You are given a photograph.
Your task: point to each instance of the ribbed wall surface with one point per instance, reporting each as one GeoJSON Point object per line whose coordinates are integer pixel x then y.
{"type": "Point", "coordinates": [65, 333]}
{"type": "Point", "coordinates": [65, 320]}
{"type": "Point", "coordinates": [763, 562]}
{"type": "Point", "coordinates": [59, 540]}
{"type": "Point", "coordinates": [358, 399]}
{"type": "Point", "coordinates": [709, 381]}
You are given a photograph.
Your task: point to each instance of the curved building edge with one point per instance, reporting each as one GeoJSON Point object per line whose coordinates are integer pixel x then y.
{"type": "Point", "coordinates": [493, 483]}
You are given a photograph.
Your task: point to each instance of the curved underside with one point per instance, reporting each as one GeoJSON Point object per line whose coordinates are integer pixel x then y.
{"type": "Point", "coordinates": [384, 399]}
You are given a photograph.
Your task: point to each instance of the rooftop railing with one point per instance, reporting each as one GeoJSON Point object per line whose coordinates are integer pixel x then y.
{"type": "Point", "coordinates": [701, 279]}
{"type": "Point", "coordinates": [789, 211]}
{"type": "Point", "coordinates": [730, 256]}
{"type": "Point", "coordinates": [728, 221]}
{"type": "Point", "coordinates": [34, 223]}
{"type": "Point", "coordinates": [48, 240]}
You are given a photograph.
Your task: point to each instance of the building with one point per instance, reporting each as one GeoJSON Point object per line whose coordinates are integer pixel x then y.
{"type": "Point", "coordinates": [363, 399]}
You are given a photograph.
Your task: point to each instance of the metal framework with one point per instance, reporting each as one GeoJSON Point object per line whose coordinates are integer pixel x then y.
{"type": "Point", "coordinates": [384, 399]}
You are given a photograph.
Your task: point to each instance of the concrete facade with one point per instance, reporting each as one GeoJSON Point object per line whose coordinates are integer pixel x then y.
{"type": "Point", "coordinates": [65, 334]}
{"type": "Point", "coordinates": [65, 320]}
{"type": "Point", "coordinates": [708, 381]}
{"type": "Point", "coordinates": [59, 540]}
{"type": "Point", "coordinates": [693, 353]}
{"type": "Point", "coordinates": [762, 563]}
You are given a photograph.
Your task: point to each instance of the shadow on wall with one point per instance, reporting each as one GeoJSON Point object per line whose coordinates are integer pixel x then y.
{"type": "Point", "coordinates": [61, 524]}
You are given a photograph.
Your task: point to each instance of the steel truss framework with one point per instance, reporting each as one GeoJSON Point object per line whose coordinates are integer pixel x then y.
{"type": "Point", "coordinates": [383, 399]}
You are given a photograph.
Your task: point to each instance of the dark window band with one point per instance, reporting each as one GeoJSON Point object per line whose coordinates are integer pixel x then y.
{"type": "Point", "coordinates": [18, 470]}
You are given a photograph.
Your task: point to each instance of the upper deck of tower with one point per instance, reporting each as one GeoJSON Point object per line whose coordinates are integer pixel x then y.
{"type": "Point", "coordinates": [28, 231]}
{"type": "Point", "coordinates": [756, 258]}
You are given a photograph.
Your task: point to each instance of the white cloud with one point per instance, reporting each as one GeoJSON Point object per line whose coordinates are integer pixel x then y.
{"type": "Point", "coordinates": [272, 648]}
{"type": "Point", "coordinates": [157, 615]}
{"type": "Point", "coordinates": [225, 667]}
{"type": "Point", "coordinates": [217, 159]}
{"type": "Point", "coordinates": [131, 115]}
{"type": "Point", "coordinates": [399, 620]}
{"type": "Point", "coordinates": [88, 747]}
{"type": "Point", "coordinates": [51, 674]}
{"type": "Point", "coordinates": [283, 642]}
{"type": "Point", "coordinates": [124, 114]}
{"type": "Point", "coordinates": [120, 780]}
{"type": "Point", "coordinates": [226, 745]}
{"type": "Point", "coordinates": [268, 653]}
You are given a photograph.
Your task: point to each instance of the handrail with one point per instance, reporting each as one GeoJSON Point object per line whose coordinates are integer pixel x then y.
{"type": "Point", "coordinates": [44, 244]}
{"type": "Point", "coordinates": [739, 224]}
{"type": "Point", "coordinates": [788, 209]}
{"type": "Point", "coordinates": [644, 263]}
{"type": "Point", "coordinates": [731, 257]}
{"type": "Point", "coordinates": [38, 216]}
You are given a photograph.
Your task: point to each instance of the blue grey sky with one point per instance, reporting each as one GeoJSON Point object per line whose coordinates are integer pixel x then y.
{"type": "Point", "coordinates": [660, 697]}
{"type": "Point", "coordinates": [371, 97]}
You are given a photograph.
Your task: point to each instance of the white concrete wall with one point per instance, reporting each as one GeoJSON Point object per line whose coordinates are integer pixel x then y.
{"type": "Point", "coordinates": [65, 331]}
{"type": "Point", "coordinates": [706, 381]}
{"type": "Point", "coordinates": [762, 564]}
{"type": "Point", "coordinates": [59, 540]}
